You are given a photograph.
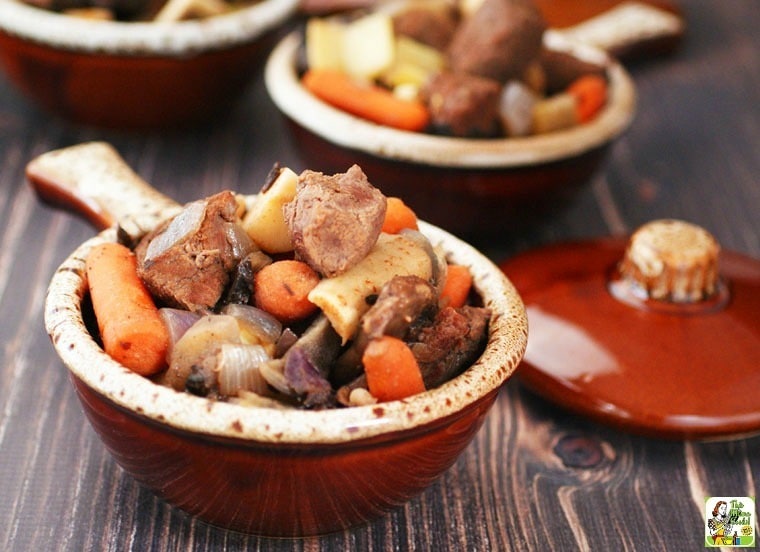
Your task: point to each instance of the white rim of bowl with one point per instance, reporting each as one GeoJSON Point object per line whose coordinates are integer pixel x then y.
{"type": "Point", "coordinates": [142, 38]}
{"type": "Point", "coordinates": [88, 362]}
{"type": "Point", "coordinates": [343, 129]}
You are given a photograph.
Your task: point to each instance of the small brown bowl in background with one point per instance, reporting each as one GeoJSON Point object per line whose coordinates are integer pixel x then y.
{"type": "Point", "coordinates": [136, 74]}
{"type": "Point", "coordinates": [266, 471]}
{"type": "Point", "coordinates": [478, 189]}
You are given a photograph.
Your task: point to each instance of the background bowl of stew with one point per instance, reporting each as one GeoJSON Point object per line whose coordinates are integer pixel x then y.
{"type": "Point", "coordinates": [136, 74]}
{"type": "Point", "coordinates": [270, 471]}
{"type": "Point", "coordinates": [475, 188]}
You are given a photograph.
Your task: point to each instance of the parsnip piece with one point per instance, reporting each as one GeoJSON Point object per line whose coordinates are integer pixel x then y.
{"type": "Point", "coordinates": [417, 53]}
{"type": "Point", "coordinates": [264, 222]}
{"type": "Point", "coordinates": [554, 113]}
{"type": "Point", "coordinates": [401, 74]}
{"type": "Point", "coordinates": [324, 44]}
{"type": "Point", "coordinates": [413, 63]}
{"type": "Point", "coordinates": [343, 297]}
{"type": "Point", "coordinates": [368, 45]}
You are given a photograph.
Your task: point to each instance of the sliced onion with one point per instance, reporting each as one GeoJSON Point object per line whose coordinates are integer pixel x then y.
{"type": "Point", "coordinates": [239, 240]}
{"type": "Point", "coordinates": [274, 374]}
{"type": "Point", "coordinates": [177, 321]}
{"type": "Point", "coordinates": [263, 327]}
{"type": "Point", "coordinates": [516, 105]}
{"type": "Point", "coordinates": [238, 368]}
{"type": "Point", "coordinates": [199, 344]}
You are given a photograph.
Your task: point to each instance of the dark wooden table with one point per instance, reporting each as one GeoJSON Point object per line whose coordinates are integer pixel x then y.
{"type": "Point", "coordinates": [693, 152]}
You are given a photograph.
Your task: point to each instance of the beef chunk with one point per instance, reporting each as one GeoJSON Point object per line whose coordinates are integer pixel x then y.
{"type": "Point", "coordinates": [499, 40]}
{"type": "Point", "coordinates": [464, 105]}
{"type": "Point", "coordinates": [452, 343]}
{"type": "Point", "coordinates": [400, 302]}
{"type": "Point", "coordinates": [185, 263]}
{"type": "Point", "coordinates": [433, 26]}
{"type": "Point", "coordinates": [334, 221]}
{"type": "Point", "coordinates": [562, 68]}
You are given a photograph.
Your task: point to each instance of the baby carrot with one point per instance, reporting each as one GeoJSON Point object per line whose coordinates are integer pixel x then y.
{"type": "Point", "coordinates": [457, 286]}
{"type": "Point", "coordinates": [131, 327]}
{"type": "Point", "coordinates": [590, 93]}
{"type": "Point", "coordinates": [366, 100]}
{"type": "Point", "coordinates": [391, 369]}
{"type": "Point", "coordinates": [398, 216]}
{"type": "Point", "coordinates": [282, 289]}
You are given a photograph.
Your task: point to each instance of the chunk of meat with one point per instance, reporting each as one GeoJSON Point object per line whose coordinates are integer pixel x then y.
{"type": "Point", "coordinates": [334, 221]}
{"type": "Point", "coordinates": [401, 301]}
{"type": "Point", "coordinates": [433, 26]}
{"type": "Point", "coordinates": [499, 40]}
{"type": "Point", "coordinates": [452, 343]}
{"type": "Point", "coordinates": [562, 68]}
{"type": "Point", "coordinates": [186, 262]}
{"type": "Point", "coordinates": [464, 105]}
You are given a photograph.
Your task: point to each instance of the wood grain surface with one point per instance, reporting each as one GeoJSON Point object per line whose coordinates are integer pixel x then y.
{"type": "Point", "coordinates": [535, 478]}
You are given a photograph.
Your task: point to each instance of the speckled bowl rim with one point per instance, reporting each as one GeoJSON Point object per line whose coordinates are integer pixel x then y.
{"type": "Point", "coordinates": [343, 129]}
{"type": "Point", "coordinates": [88, 362]}
{"type": "Point", "coordinates": [142, 38]}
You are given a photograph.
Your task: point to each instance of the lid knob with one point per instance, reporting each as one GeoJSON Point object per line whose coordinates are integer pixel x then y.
{"type": "Point", "coordinates": [672, 260]}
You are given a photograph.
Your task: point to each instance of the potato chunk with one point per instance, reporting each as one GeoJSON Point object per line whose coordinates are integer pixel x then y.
{"type": "Point", "coordinates": [264, 222]}
{"type": "Point", "coordinates": [368, 46]}
{"type": "Point", "coordinates": [324, 43]}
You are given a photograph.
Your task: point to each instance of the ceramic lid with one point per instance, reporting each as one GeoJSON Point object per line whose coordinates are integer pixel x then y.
{"type": "Point", "coordinates": [657, 334]}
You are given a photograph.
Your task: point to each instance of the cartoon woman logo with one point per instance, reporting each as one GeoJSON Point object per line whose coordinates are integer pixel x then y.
{"type": "Point", "coordinates": [720, 524]}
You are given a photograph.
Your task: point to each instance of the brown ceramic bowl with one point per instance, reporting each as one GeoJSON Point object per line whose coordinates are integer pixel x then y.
{"type": "Point", "coordinates": [475, 188]}
{"type": "Point", "coordinates": [270, 471]}
{"type": "Point", "coordinates": [135, 75]}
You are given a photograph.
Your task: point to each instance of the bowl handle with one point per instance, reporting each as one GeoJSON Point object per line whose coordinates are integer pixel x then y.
{"type": "Point", "coordinates": [93, 181]}
{"type": "Point", "coordinates": [630, 30]}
